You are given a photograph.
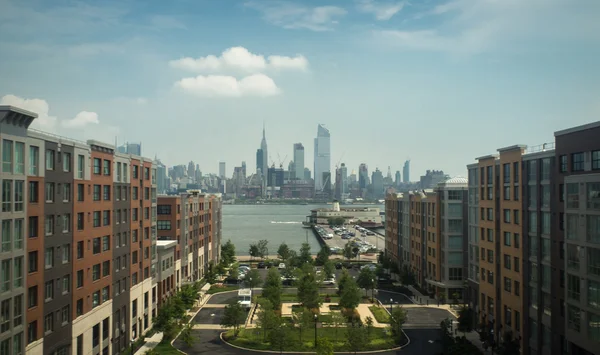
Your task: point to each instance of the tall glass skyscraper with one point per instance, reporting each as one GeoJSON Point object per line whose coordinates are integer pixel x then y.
{"type": "Point", "coordinates": [322, 157]}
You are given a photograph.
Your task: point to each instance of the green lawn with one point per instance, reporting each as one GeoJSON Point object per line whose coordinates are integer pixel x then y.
{"type": "Point", "coordinates": [166, 349]}
{"type": "Point", "coordinates": [380, 314]}
{"type": "Point", "coordinates": [217, 289]}
{"type": "Point", "coordinates": [253, 339]}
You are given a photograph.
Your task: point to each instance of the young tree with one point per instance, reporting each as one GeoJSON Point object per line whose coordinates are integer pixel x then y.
{"type": "Point", "coordinates": [308, 288]}
{"type": "Point", "coordinates": [349, 251]}
{"type": "Point", "coordinates": [253, 250]}
{"type": "Point", "coordinates": [252, 278]}
{"type": "Point", "coordinates": [324, 347]}
{"type": "Point", "coordinates": [267, 318]}
{"type": "Point", "coordinates": [322, 256]}
{"type": "Point", "coordinates": [366, 279]}
{"type": "Point", "coordinates": [349, 294]}
{"type": "Point", "coordinates": [283, 252]}
{"type": "Point", "coordinates": [210, 274]}
{"type": "Point", "coordinates": [272, 288]}
{"type": "Point", "coordinates": [465, 320]}
{"type": "Point", "coordinates": [396, 321]}
{"type": "Point", "coordinates": [263, 250]}
{"type": "Point", "coordinates": [305, 257]}
{"type": "Point", "coordinates": [280, 336]}
{"type": "Point", "coordinates": [234, 272]}
{"type": "Point", "coordinates": [338, 319]}
{"type": "Point", "coordinates": [329, 269]}
{"type": "Point", "coordinates": [233, 316]}
{"type": "Point", "coordinates": [303, 319]}
{"type": "Point", "coordinates": [186, 335]}
{"type": "Point", "coordinates": [455, 297]}
{"type": "Point", "coordinates": [356, 338]}
{"type": "Point", "coordinates": [344, 277]}
{"type": "Point", "coordinates": [228, 253]}
{"type": "Point", "coordinates": [369, 326]}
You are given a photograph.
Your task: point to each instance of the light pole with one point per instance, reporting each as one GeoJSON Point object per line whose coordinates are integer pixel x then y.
{"type": "Point", "coordinates": [372, 290]}
{"type": "Point", "coordinates": [250, 284]}
{"type": "Point", "coordinates": [316, 330]}
{"type": "Point", "coordinates": [131, 342]}
{"type": "Point", "coordinates": [391, 305]}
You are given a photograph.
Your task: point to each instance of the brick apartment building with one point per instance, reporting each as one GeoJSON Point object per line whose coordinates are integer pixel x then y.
{"type": "Point", "coordinates": [531, 240]}
{"type": "Point", "coordinates": [80, 264]}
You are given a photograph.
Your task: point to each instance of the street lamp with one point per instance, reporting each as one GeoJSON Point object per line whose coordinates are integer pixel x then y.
{"type": "Point", "coordinates": [391, 305]}
{"type": "Point", "coordinates": [131, 342]}
{"type": "Point", "coordinates": [316, 330]}
{"type": "Point", "coordinates": [250, 279]}
{"type": "Point", "coordinates": [372, 290]}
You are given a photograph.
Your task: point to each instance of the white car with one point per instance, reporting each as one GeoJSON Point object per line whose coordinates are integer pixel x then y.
{"type": "Point", "coordinates": [281, 266]}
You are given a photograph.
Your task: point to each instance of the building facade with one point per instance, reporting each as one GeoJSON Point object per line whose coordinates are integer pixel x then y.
{"type": "Point", "coordinates": [322, 157]}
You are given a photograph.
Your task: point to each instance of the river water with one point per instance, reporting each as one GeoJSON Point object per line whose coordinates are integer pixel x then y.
{"type": "Point", "coordinates": [246, 224]}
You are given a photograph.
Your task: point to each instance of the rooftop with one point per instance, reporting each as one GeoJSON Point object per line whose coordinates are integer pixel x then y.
{"type": "Point", "coordinates": [577, 129]}
{"type": "Point", "coordinates": [455, 181]}
{"type": "Point", "coordinates": [166, 244]}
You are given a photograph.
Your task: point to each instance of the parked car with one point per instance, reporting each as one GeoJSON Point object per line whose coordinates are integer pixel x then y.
{"type": "Point", "coordinates": [339, 266]}
{"type": "Point", "coordinates": [281, 266]}
{"type": "Point", "coordinates": [261, 265]}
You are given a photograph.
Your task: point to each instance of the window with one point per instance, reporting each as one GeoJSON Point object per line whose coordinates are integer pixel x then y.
{"type": "Point", "coordinates": [79, 307]}
{"type": "Point", "coordinates": [34, 191]}
{"type": "Point", "coordinates": [49, 225]}
{"type": "Point", "coordinates": [507, 239]}
{"type": "Point", "coordinates": [5, 275]}
{"type": "Point", "coordinates": [532, 171]}
{"type": "Point", "coordinates": [507, 261]}
{"type": "Point", "coordinates": [506, 194]}
{"type": "Point", "coordinates": [96, 272]}
{"type": "Point", "coordinates": [163, 225]}
{"type": "Point", "coordinates": [66, 283]}
{"type": "Point", "coordinates": [135, 215]}
{"type": "Point", "coordinates": [66, 162]}
{"type": "Point", "coordinates": [80, 192]}
{"type": "Point", "coordinates": [105, 294]}
{"type": "Point", "coordinates": [66, 222]}
{"type": "Point", "coordinates": [572, 231]}
{"type": "Point", "coordinates": [507, 216]}
{"type": "Point", "coordinates": [455, 274]}
{"type": "Point", "coordinates": [34, 160]}
{"type": "Point", "coordinates": [593, 195]}
{"type": "Point", "coordinates": [593, 294]}
{"type": "Point", "coordinates": [490, 256]}
{"type": "Point", "coordinates": [106, 192]}
{"type": "Point", "coordinates": [7, 156]}
{"type": "Point", "coordinates": [577, 162]}
{"type": "Point", "coordinates": [33, 227]}
{"type": "Point", "coordinates": [106, 167]}
{"type": "Point", "coordinates": [134, 192]}
{"type": "Point", "coordinates": [106, 243]}
{"type": "Point", "coordinates": [563, 164]}
{"type": "Point", "coordinates": [164, 209]}
{"type": "Point", "coordinates": [95, 299]}
{"type": "Point", "coordinates": [66, 253]}
{"type": "Point", "coordinates": [80, 166]}
{"type": "Point", "coordinates": [49, 323]}
{"type": "Point", "coordinates": [32, 297]}
{"type": "Point", "coordinates": [7, 195]}
{"type": "Point", "coordinates": [573, 260]}
{"type": "Point", "coordinates": [49, 192]}
{"type": "Point", "coordinates": [572, 195]}
{"type": "Point", "coordinates": [97, 192]}
{"type": "Point", "coordinates": [532, 197]}
{"type": "Point", "coordinates": [105, 268]}
{"type": "Point", "coordinates": [573, 287]}
{"type": "Point", "coordinates": [49, 159]}
{"type": "Point", "coordinates": [65, 315]}
{"type": "Point", "coordinates": [506, 173]}
{"type": "Point", "coordinates": [18, 272]}
{"type": "Point", "coordinates": [49, 290]}
{"type": "Point", "coordinates": [6, 235]}
{"type": "Point", "coordinates": [533, 222]}
{"type": "Point", "coordinates": [516, 193]}
{"type": "Point", "coordinates": [67, 193]}
{"type": "Point", "coordinates": [96, 245]}
{"type": "Point", "coordinates": [49, 258]}
{"type": "Point", "coordinates": [546, 223]}
{"type": "Point", "coordinates": [517, 288]}
{"type": "Point", "coordinates": [105, 218]}
{"type": "Point", "coordinates": [507, 285]}
{"type": "Point", "coordinates": [573, 318]}
{"type": "Point", "coordinates": [97, 166]}
{"type": "Point", "coordinates": [96, 219]}
{"type": "Point", "coordinates": [79, 279]}
{"type": "Point", "coordinates": [490, 235]}
{"type": "Point", "coordinates": [33, 261]}
{"type": "Point", "coordinates": [80, 221]}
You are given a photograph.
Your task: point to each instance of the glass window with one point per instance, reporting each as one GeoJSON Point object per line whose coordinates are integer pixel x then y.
{"type": "Point", "coordinates": [7, 156]}
{"type": "Point", "coordinates": [19, 158]}
{"type": "Point", "coordinates": [593, 195]}
{"type": "Point", "coordinates": [596, 160]}
{"type": "Point", "coordinates": [80, 166]}
{"type": "Point", "coordinates": [572, 229]}
{"type": "Point", "coordinates": [34, 160]}
{"type": "Point", "coordinates": [563, 164]}
{"type": "Point", "coordinates": [6, 235]}
{"type": "Point", "coordinates": [577, 161]}
{"type": "Point", "coordinates": [66, 162]}
{"type": "Point", "coordinates": [49, 159]}
{"type": "Point", "coordinates": [7, 195]}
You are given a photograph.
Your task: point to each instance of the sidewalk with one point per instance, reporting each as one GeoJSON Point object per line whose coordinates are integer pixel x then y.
{"type": "Point", "coordinates": [150, 344]}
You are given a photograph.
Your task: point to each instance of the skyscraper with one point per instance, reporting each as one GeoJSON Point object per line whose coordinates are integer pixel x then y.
{"type": "Point", "coordinates": [259, 162]}
{"type": "Point", "coordinates": [397, 178]}
{"type": "Point", "coordinates": [406, 171]}
{"type": "Point", "coordinates": [222, 170]}
{"type": "Point", "coordinates": [265, 154]}
{"type": "Point", "coordinates": [322, 156]}
{"type": "Point", "coordinates": [298, 161]}
{"type": "Point", "coordinates": [363, 176]}
{"type": "Point", "coordinates": [344, 172]}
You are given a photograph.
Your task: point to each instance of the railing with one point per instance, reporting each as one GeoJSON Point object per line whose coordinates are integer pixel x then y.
{"type": "Point", "coordinates": [540, 148]}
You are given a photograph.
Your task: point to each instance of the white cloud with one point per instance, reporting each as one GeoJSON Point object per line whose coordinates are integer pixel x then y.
{"type": "Point", "coordinates": [295, 16]}
{"type": "Point", "coordinates": [82, 119]}
{"type": "Point", "coordinates": [44, 121]}
{"type": "Point", "coordinates": [382, 11]}
{"type": "Point", "coordinates": [47, 123]}
{"type": "Point", "coordinates": [240, 59]}
{"type": "Point", "coordinates": [476, 26]}
{"type": "Point", "coordinates": [228, 86]}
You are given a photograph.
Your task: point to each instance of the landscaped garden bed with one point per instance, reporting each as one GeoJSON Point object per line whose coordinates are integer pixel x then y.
{"type": "Point", "coordinates": [380, 314]}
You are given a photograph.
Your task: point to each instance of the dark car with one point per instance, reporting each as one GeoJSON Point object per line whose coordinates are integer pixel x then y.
{"type": "Point", "coordinates": [339, 265]}
{"type": "Point", "coordinates": [261, 265]}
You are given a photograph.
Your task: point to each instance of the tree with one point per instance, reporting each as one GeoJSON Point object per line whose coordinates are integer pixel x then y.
{"type": "Point", "coordinates": [349, 294]}
{"type": "Point", "coordinates": [253, 250]}
{"type": "Point", "coordinates": [465, 320]}
{"type": "Point", "coordinates": [234, 272]}
{"type": "Point", "coordinates": [322, 256]}
{"type": "Point", "coordinates": [263, 251]}
{"type": "Point", "coordinates": [210, 274]}
{"type": "Point", "coordinates": [228, 253]}
{"type": "Point", "coordinates": [280, 336]}
{"type": "Point", "coordinates": [356, 338]}
{"type": "Point", "coordinates": [344, 277]}
{"type": "Point", "coordinates": [303, 319]}
{"type": "Point", "coordinates": [252, 278]}
{"type": "Point", "coordinates": [293, 260]}
{"type": "Point", "coordinates": [396, 321]}
{"type": "Point", "coordinates": [349, 251]}
{"type": "Point", "coordinates": [324, 347]}
{"type": "Point", "coordinates": [186, 335]}
{"type": "Point", "coordinates": [338, 319]}
{"type": "Point", "coordinates": [336, 221]}
{"type": "Point", "coordinates": [369, 326]}
{"type": "Point", "coordinates": [308, 288]}
{"type": "Point", "coordinates": [329, 269]}
{"type": "Point", "coordinates": [267, 318]}
{"type": "Point", "coordinates": [455, 296]}
{"type": "Point", "coordinates": [366, 279]}
{"type": "Point", "coordinates": [305, 256]}
{"type": "Point", "coordinates": [283, 252]}
{"type": "Point", "coordinates": [233, 316]}
{"type": "Point", "coordinates": [272, 288]}
{"type": "Point", "coordinates": [188, 295]}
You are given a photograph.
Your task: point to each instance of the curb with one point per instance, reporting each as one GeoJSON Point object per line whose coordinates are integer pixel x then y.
{"type": "Point", "coordinates": [403, 332]}
{"type": "Point", "coordinates": [311, 352]}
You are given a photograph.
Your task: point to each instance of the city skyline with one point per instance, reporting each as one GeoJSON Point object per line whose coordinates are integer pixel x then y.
{"type": "Point", "coordinates": [378, 75]}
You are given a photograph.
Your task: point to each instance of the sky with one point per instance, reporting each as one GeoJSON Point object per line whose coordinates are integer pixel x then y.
{"type": "Point", "coordinates": [438, 82]}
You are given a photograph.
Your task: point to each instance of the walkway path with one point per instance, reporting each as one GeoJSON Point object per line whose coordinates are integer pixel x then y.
{"type": "Point", "coordinates": [150, 344]}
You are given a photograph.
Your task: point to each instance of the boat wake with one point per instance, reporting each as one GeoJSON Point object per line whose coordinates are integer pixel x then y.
{"type": "Point", "coordinates": [280, 222]}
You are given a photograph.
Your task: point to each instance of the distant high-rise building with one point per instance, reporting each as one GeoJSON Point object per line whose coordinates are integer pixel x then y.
{"type": "Point", "coordinates": [298, 161]}
{"type": "Point", "coordinates": [191, 170]}
{"type": "Point", "coordinates": [307, 174]}
{"type": "Point", "coordinates": [161, 177]}
{"type": "Point", "coordinates": [377, 183]}
{"type": "Point", "coordinates": [222, 170]}
{"type": "Point", "coordinates": [265, 153]}
{"type": "Point", "coordinates": [322, 157]}
{"type": "Point", "coordinates": [398, 178]}
{"type": "Point", "coordinates": [244, 170]}
{"type": "Point", "coordinates": [131, 148]}
{"type": "Point", "coordinates": [338, 184]}
{"type": "Point", "coordinates": [352, 178]}
{"type": "Point", "coordinates": [389, 173]}
{"type": "Point", "coordinates": [344, 177]}
{"type": "Point", "coordinates": [406, 172]}
{"type": "Point", "coordinates": [363, 176]}
{"type": "Point", "coordinates": [259, 162]}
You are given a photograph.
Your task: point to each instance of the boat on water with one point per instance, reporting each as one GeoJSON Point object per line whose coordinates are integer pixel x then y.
{"type": "Point", "coordinates": [307, 224]}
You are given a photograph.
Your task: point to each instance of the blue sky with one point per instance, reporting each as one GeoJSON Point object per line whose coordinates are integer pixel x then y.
{"type": "Point", "coordinates": [441, 82]}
